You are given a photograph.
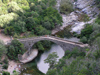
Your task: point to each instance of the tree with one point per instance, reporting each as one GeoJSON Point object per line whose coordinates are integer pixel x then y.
{"type": "Point", "coordinates": [41, 31]}
{"type": "Point", "coordinates": [5, 73]}
{"type": "Point", "coordinates": [15, 73]}
{"type": "Point", "coordinates": [9, 30]}
{"type": "Point", "coordinates": [66, 6]}
{"type": "Point", "coordinates": [87, 31]}
{"type": "Point", "coordinates": [30, 23]}
{"type": "Point", "coordinates": [51, 59]}
{"type": "Point", "coordinates": [5, 1]}
{"type": "Point", "coordinates": [14, 49]}
{"type": "Point", "coordinates": [51, 72]}
{"type": "Point", "coordinates": [3, 49]}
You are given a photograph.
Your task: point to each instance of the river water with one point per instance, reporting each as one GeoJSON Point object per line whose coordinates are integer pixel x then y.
{"type": "Point", "coordinates": [37, 66]}
{"type": "Point", "coordinates": [43, 67]}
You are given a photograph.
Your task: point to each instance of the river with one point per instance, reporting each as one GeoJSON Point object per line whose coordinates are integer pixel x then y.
{"type": "Point", "coordinates": [39, 67]}
{"type": "Point", "coordinates": [43, 67]}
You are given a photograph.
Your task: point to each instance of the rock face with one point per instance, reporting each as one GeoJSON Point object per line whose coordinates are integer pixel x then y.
{"type": "Point", "coordinates": [88, 7]}
{"type": "Point", "coordinates": [81, 7]}
{"type": "Point", "coordinates": [28, 56]}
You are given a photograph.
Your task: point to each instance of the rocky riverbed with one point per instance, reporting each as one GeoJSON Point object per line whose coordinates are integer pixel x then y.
{"type": "Point", "coordinates": [87, 7]}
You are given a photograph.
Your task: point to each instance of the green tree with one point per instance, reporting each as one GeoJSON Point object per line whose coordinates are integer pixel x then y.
{"type": "Point", "coordinates": [66, 6]}
{"type": "Point", "coordinates": [30, 23]}
{"type": "Point", "coordinates": [3, 49]}
{"type": "Point", "coordinates": [5, 1]}
{"type": "Point", "coordinates": [5, 73]}
{"type": "Point", "coordinates": [87, 31]}
{"type": "Point", "coordinates": [9, 30]}
{"type": "Point", "coordinates": [52, 59]}
{"type": "Point", "coordinates": [51, 72]}
{"type": "Point", "coordinates": [14, 49]}
{"type": "Point", "coordinates": [15, 73]}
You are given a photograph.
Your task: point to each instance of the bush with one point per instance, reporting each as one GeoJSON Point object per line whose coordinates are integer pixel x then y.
{"type": "Point", "coordinates": [5, 66]}
{"type": "Point", "coordinates": [3, 49]}
{"type": "Point", "coordinates": [43, 45]}
{"type": "Point", "coordinates": [84, 39]}
{"type": "Point", "coordinates": [6, 19]}
{"type": "Point", "coordinates": [9, 30]}
{"type": "Point", "coordinates": [13, 7]}
{"type": "Point", "coordinates": [14, 49]}
{"type": "Point", "coordinates": [5, 73]}
{"type": "Point", "coordinates": [87, 31]}
{"type": "Point", "coordinates": [5, 1]}
{"type": "Point", "coordinates": [5, 61]}
{"type": "Point", "coordinates": [66, 6]}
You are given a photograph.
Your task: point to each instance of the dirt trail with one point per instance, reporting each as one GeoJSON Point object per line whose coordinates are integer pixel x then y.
{"type": "Point", "coordinates": [4, 38]}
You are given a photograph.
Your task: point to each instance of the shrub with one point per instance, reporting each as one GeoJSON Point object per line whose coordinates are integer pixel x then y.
{"type": "Point", "coordinates": [9, 30]}
{"type": "Point", "coordinates": [14, 49]}
{"type": "Point", "coordinates": [84, 39]}
{"type": "Point", "coordinates": [6, 19]}
{"type": "Point", "coordinates": [5, 61]}
{"type": "Point", "coordinates": [5, 66]}
{"type": "Point", "coordinates": [87, 31]}
{"type": "Point", "coordinates": [13, 7]}
{"type": "Point", "coordinates": [5, 73]}
{"type": "Point", "coordinates": [5, 1]}
{"type": "Point", "coordinates": [66, 6]}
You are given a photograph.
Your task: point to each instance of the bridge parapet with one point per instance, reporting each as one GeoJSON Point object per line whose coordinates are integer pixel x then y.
{"type": "Point", "coordinates": [66, 44]}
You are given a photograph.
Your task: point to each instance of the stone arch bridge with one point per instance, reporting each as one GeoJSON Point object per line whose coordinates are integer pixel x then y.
{"type": "Point", "coordinates": [65, 44]}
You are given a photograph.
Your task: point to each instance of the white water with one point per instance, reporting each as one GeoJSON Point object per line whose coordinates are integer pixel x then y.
{"type": "Point", "coordinates": [43, 67]}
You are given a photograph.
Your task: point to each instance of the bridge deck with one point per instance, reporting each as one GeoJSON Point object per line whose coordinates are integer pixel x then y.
{"type": "Point", "coordinates": [57, 39]}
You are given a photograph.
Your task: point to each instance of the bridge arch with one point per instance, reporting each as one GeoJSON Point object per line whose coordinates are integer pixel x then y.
{"type": "Point", "coordinates": [65, 44]}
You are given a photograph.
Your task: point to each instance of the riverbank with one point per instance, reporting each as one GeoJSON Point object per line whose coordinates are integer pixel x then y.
{"type": "Point", "coordinates": [13, 65]}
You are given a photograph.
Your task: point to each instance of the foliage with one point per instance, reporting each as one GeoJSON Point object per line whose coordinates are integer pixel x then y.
{"type": "Point", "coordinates": [43, 45]}
{"type": "Point", "coordinates": [9, 30]}
{"type": "Point", "coordinates": [14, 49]}
{"type": "Point", "coordinates": [29, 15]}
{"type": "Point", "coordinates": [51, 72]}
{"type": "Point", "coordinates": [5, 66]}
{"type": "Point", "coordinates": [5, 73]}
{"type": "Point", "coordinates": [15, 73]}
{"type": "Point", "coordinates": [75, 53]}
{"type": "Point", "coordinates": [66, 6]}
{"type": "Point", "coordinates": [52, 59]}
{"type": "Point", "coordinates": [87, 31]}
{"type": "Point", "coordinates": [13, 7]}
{"type": "Point", "coordinates": [83, 39]}
{"type": "Point", "coordinates": [7, 18]}
{"type": "Point", "coordinates": [3, 49]}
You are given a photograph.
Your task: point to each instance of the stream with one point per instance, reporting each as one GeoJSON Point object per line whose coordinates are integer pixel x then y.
{"type": "Point", "coordinates": [43, 67]}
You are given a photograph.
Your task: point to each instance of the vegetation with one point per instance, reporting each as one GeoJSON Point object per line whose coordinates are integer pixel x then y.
{"type": "Point", "coordinates": [51, 59]}
{"type": "Point", "coordinates": [66, 6]}
{"type": "Point", "coordinates": [37, 16]}
{"type": "Point", "coordinates": [14, 49]}
{"type": "Point", "coordinates": [3, 49]}
{"type": "Point", "coordinates": [43, 45]}
{"type": "Point", "coordinates": [76, 63]}
{"type": "Point", "coordinates": [5, 73]}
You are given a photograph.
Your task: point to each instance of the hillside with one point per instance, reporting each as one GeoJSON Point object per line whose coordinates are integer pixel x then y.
{"type": "Point", "coordinates": [24, 19]}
